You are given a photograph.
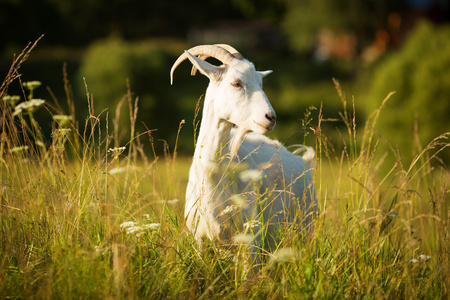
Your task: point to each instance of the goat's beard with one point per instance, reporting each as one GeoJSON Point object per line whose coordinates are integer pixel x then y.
{"type": "Point", "coordinates": [237, 141]}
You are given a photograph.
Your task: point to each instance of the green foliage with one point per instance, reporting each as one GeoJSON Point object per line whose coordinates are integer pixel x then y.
{"type": "Point", "coordinates": [111, 66]}
{"type": "Point", "coordinates": [419, 73]}
{"type": "Point", "coordinates": [106, 67]}
{"type": "Point", "coordinates": [79, 219]}
{"type": "Point", "coordinates": [304, 19]}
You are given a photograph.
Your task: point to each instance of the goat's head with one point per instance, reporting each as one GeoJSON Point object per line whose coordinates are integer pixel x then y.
{"type": "Point", "coordinates": [235, 87]}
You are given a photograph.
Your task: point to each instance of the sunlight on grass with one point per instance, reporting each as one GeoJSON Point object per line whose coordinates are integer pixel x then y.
{"type": "Point", "coordinates": [85, 217]}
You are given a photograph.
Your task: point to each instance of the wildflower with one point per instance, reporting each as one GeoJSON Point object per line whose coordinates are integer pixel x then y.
{"type": "Point", "coordinates": [19, 149]}
{"type": "Point", "coordinates": [12, 100]}
{"type": "Point", "coordinates": [168, 202]}
{"type": "Point", "coordinates": [133, 228]}
{"type": "Point", "coordinates": [228, 210]}
{"type": "Point", "coordinates": [152, 226]}
{"type": "Point", "coordinates": [424, 257]}
{"type": "Point", "coordinates": [29, 106]}
{"type": "Point", "coordinates": [116, 151]}
{"type": "Point", "coordinates": [239, 200]}
{"type": "Point", "coordinates": [62, 119]}
{"type": "Point", "coordinates": [125, 225]}
{"type": "Point", "coordinates": [250, 175]}
{"type": "Point", "coordinates": [32, 85]}
{"type": "Point", "coordinates": [173, 202]}
{"type": "Point", "coordinates": [117, 170]}
{"type": "Point", "coordinates": [243, 239]}
{"type": "Point", "coordinates": [62, 132]}
{"type": "Point", "coordinates": [252, 224]}
{"type": "Point", "coordinates": [287, 254]}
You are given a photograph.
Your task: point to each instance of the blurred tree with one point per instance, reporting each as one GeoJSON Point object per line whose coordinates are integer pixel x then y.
{"type": "Point", "coordinates": [110, 63]}
{"type": "Point", "coordinates": [82, 21]}
{"type": "Point", "coordinates": [304, 19]}
{"type": "Point", "coordinates": [420, 74]}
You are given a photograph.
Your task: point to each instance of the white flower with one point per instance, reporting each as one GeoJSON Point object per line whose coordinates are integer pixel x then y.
{"type": "Point", "coordinates": [133, 228]}
{"type": "Point", "coordinates": [117, 170]}
{"type": "Point", "coordinates": [125, 225]}
{"type": "Point", "coordinates": [228, 210]}
{"type": "Point", "coordinates": [168, 202]}
{"type": "Point", "coordinates": [152, 226]}
{"type": "Point", "coordinates": [116, 151]}
{"type": "Point", "coordinates": [31, 85]}
{"type": "Point", "coordinates": [173, 202]}
{"type": "Point", "coordinates": [250, 175]}
{"type": "Point", "coordinates": [29, 106]}
{"type": "Point", "coordinates": [63, 131]}
{"type": "Point", "coordinates": [422, 257]}
{"type": "Point", "coordinates": [243, 239]}
{"type": "Point", "coordinates": [425, 257]}
{"type": "Point", "coordinates": [239, 200]}
{"type": "Point", "coordinates": [11, 100]}
{"type": "Point", "coordinates": [287, 254]}
{"type": "Point", "coordinates": [252, 224]}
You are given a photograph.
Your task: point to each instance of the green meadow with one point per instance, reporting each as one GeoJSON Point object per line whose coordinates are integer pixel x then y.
{"type": "Point", "coordinates": [85, 214]}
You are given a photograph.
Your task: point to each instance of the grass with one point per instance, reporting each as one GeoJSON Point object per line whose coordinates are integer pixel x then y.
{"type": "Point", "coordinates": [382, 231]}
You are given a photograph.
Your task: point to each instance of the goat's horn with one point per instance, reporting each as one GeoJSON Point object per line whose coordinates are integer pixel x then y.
{"type": "Point", "coordinates": [205, 51]}
{"type": "Point", "coordinates": [229, 48]}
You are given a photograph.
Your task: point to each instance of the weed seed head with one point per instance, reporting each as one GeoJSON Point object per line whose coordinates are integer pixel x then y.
{"type": "Point", "coordinates": [284, 255]}
{"type": "Point", "coordinates": [252, 224]}
{"type": "Point", "coordinates": [117, 170]}
{"type": "Point", "coordinates": [20, 149]}
{"type": "Point", "coordinates": [228, 210]}
{"type": "Point", "coordinates": [62, 119]}
{"type": "Point", "coordinates": [133, 228]}
{"type": "Point", "coordinates": [243, 239]}
{"type": "Point", "coordinates": [28, 107]}
{"type": "Point", "coordinates": [32, 85]}
{"type": "Point", "coordinates": [239, 200]}
{"type": "Point", "coordinates": [250, 175]}
{"type": "Point", "coordinates": [12, 100]}
{"type": "Point", "coordinates": [116, 151]}
{"type": "Point", "coordinates": [127, 224]}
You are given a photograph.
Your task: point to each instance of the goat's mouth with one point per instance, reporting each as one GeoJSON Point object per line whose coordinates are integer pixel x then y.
{"type": "Point", "coordinates": [266, 128]}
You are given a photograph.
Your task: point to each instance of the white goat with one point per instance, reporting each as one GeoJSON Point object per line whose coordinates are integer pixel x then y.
{"type": "Point", "coordinates": [234, 106]}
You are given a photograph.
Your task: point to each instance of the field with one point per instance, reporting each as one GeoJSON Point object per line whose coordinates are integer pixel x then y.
{"type": "Point", "coordinates": [382, 230]}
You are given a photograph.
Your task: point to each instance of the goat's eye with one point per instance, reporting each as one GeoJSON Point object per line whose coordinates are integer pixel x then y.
{"type": "Point", "coordinates": [236, 84]}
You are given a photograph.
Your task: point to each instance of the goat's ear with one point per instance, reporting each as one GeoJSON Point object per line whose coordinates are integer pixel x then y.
{"type": "Point", "coordinates": [265, 73]}
{"type": "Point", "coordinates": [207, 69]}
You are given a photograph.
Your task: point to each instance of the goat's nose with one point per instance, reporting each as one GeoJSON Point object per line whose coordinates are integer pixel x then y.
{"type": "Point", "coordinates": [271, 117]}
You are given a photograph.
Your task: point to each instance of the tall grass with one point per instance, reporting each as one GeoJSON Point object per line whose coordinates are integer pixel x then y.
{"type": "Point", "coordinates": [85, 217]}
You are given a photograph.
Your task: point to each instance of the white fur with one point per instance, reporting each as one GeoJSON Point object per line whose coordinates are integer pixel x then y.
{"type": "Point", "coordinates": [236, 114]}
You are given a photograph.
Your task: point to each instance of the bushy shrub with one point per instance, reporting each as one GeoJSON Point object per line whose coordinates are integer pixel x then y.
{"type": "Point", "coordinates": [109, 63]}
{"type": "Point", "coordinates": [419, 72]}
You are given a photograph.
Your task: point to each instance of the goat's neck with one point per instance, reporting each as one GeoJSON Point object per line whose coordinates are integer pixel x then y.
{"type": "Point", "coordinates": [213, 137]}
